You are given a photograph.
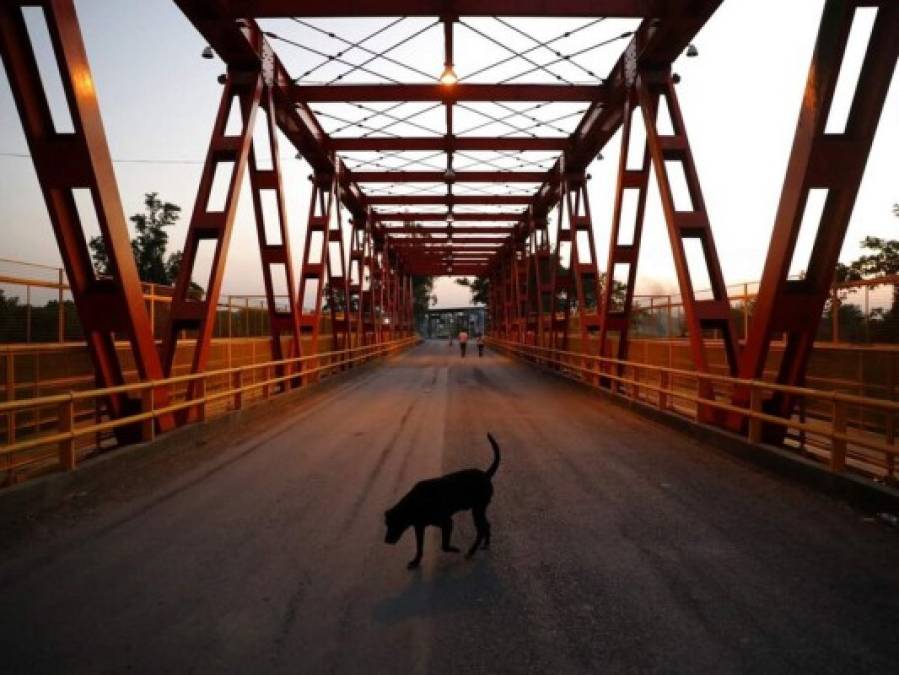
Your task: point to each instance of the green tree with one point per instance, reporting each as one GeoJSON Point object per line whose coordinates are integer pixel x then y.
{"type": "Point", "coordinates": [479, 287]}
{"type": "Point", "coordinates": [423, 297]}
{"type": "Point", "coordinates": [149, 243]}
{"type": "Point", "coordinates": [880, 259]}
{"type": "Point", "coordinates": [883, 258]}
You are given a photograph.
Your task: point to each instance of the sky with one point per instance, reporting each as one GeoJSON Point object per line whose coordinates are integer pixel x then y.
{"type": "Point", "coordinates": [740, 100]}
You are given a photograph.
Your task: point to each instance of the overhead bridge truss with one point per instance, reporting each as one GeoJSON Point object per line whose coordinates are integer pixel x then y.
{"type": "Point", "coordinates": [395, 195]}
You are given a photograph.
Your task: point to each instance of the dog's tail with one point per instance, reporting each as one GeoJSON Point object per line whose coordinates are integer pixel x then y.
{"type": "Point", "coordinates": [495, 465]}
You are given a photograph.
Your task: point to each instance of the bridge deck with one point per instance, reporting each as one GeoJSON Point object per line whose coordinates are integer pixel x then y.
{"type": "Point", "coordinates": [619, 546]}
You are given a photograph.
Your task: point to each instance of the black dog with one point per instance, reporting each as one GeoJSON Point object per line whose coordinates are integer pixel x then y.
{"type": "Point", "coordinates": [434, 501]}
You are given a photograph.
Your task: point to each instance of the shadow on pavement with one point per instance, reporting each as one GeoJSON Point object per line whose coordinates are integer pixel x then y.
{"type": "Point", "coordinates": [451, 588]}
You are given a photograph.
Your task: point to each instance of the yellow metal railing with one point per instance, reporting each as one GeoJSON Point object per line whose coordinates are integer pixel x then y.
{"type": "Point", "coordinates": [830, 435]}
{"type": "Point", "coordinates": [216, 391]}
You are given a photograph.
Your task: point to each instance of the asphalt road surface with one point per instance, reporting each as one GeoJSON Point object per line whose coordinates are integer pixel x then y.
{"type": "Point", "coordinates": [618, 547]}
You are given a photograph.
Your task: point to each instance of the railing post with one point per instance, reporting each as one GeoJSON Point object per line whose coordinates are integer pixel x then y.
{"type": "Point", "coordinates": [10, 395]}
{"type": "Point", "coordinates": [67, 425]}
{"type": "Point", "coordinates": [28, 313]}
{"type": "Point", "coordinates": [663, 390]}
{"type": "Point", "coordinates": [201, 395]}
{"type": "Point", "coordinates": [635, 377]}
{"type": "Point", "coordinates": [838, 445]}
{"type": "Point", "coordinates": [148, 426]}
{"type": "Point", "coordinates": [835, 315]}
{"type": "Point", "coordinates": [755, 405]}
{"type": "Point", "coordinates": [61, 312]}
{"type": "Point", "coordinates": [697, 414]}
{"type": "Point", "coordinates": [237, 385]}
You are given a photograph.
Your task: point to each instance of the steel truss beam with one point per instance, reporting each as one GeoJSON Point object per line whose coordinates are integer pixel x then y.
{"type": "Point", "coordinates": [242, 45]}
{"type": "Point", "coordinates": [819, 160]}
{"type": "Point", "coordinates": [69, 164]}
{"type": "Point", "coordinates": [411, 247]}
{"type": "Point", "coordinates": [237, 9]}
{"type": "Point", "coordinates": [655, 44]}
{"type": "Point", "coordinates": [574, 273]}
{"type": "Point", "coordinates": [448, 200]}
{"type": "Point", "coordinates": [541, 285]}
{"type": "Point", "coordinates": [276, 256]}
{"type": "Point", "coordinates": [444, 144]}
{"type": "Point", "coordinates": [443, 240]}
{"type": "Point", "coordinates": [684, 224]}
{"type": "Point", "coordinates": [359, 283]}
{"type": "Point", "coordinates": [424, 231]}
{"type": "Point", "coordinates": [616, 310]}
{"type": "Point", "coordinates": [444, 177]}
{"type": "Point", "coordinates": [323, 276]}
{"type": "Point", "coordinates": [457, 217]}
{"type": "Point", "coordinates": [331, 93]}
{"type": "Point", "coordinates": [193, 310]}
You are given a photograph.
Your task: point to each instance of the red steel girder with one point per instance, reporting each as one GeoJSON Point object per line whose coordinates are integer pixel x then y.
{"type": "Point", "coordinates": [616, 312]}
{"type": "Point", "coordinates": [691, 223]}
{"type": "Point", "coordinates": [242, 45]}
{"type": "Point", "coordinates": [455, 177]}
{"type": "Point", "coordinates": [458, 229]}
{"type": "Point", "coordinates": [331, 93]}
{"type": "Point", "coordinates": [276, 255]}
{"type": "Point", "coordinates": [574, 274]}
{"type": "Point", "coordinates": [210, 225]}
{"type": "Point", "coordinates": [414, 253]}
{"type": "Point", "coordinates": [455, 240]}
{"type": "Point", "coordinates": [442, 143]}
{"type": "Point", "coordinates": [457, 217]}
{"type": "Point", "coordinates": [236, 9]}
{"type": "Point", "coordinates": [825, 161]}
{"type": "Point", "coordinates": [67, 163]}
{"type": "Point", "coordinates": [359, 281]}
{"type": "Point", "coordinates": [323, 276]}
{"type": "Point", "coordinates": [654, 44]}
{"type": "Point", "coordinates": [447, 200]}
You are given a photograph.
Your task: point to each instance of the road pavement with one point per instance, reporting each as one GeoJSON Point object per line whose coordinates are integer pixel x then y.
{"type": "Point", "coordinates": [619, 546]}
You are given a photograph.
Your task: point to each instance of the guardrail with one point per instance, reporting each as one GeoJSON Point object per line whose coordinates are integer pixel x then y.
{"type": "Point", "coordinates": [220, 391]}
{"type": "Point", "coordinates": [830, 435]}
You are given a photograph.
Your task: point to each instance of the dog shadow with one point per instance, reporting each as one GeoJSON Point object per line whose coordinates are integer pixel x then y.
{"type": "Point", "coordinates": [452, 587]}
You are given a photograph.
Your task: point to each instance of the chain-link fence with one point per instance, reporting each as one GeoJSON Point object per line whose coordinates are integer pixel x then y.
{"type": "Point", "coordinates": [862, 312]}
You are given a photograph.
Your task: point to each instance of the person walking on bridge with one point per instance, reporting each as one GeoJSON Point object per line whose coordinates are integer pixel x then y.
{"type": "Point", "coordinates": [463, 341]}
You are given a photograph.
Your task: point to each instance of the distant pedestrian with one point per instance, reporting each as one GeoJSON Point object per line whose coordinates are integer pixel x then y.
{"type": "Point", "coordinates": [451, 340]}
{"type": "Point", "coordinates": [480, 343]}
{"type": "Point", "coordinates": [463, 341]}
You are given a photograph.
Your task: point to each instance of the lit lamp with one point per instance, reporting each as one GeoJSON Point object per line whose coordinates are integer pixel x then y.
{"type": "Point", "coordinates": [448, 76]}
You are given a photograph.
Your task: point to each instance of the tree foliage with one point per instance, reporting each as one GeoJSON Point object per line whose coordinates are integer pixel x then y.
{"type": "Point", "coordinates": [150, 243]}
{"type": "Point", "coordinates": [880, 258]}
{"type": "Point", "coordinates": [479, 287]}
{"type": "Point", "coordinates": [423, 297]}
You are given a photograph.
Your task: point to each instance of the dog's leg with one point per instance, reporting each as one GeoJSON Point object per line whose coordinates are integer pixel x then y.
{"type": "Point", "coordinates": [477, 514]}
{"type": "Point", "coordinates": [419, 546]}
{"type": "Point", "coordinates": [486, 525]}
{"type": "Point", "coordinates": [447, 529]}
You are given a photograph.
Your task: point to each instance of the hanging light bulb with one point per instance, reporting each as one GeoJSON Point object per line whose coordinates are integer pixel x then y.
{"type": "Point", "coordinates": [448, 76]}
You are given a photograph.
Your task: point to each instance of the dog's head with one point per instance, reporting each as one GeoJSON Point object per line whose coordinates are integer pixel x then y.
{"type": "Point", "coordinates": [395, 526]}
